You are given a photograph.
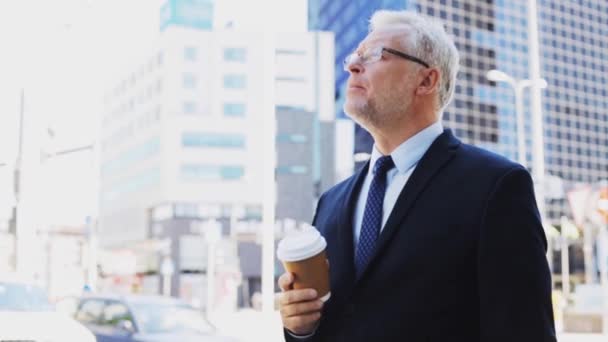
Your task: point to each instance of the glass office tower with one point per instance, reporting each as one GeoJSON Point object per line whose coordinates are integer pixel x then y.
{"type": "Point", "coordinates": [493, 34]}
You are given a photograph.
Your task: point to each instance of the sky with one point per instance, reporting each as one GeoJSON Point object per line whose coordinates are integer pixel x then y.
{"type": "Point", "coordinates": [64, 54]}
{"type": "Point", "coordinates": [61, 54]}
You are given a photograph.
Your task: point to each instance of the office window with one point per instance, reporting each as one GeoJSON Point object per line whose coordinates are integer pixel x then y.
{"type": "Point", "coordinates": [189, 81]}
{"type": "Point", "coordinates": [205, 172]}
{"type": "Point", "coordinates": [190, 53]}
{"type": "Point", "coordinates": [253, 211]}
{"type": "Point", "coordinates": [189, 107]}
{"type": "Point", "coordinates": [232, 172]}
{"type": "Point", "coordinates": [284, 108]}
{"type": "Point", "coordinates": [291, 52]}
{"type": "Point", "coordinates": [132, 156]}
{"type": "Point", "coordinates": [214, 140]}
{"type": "Point", "coordinates": [235, 81]}
{"type": "Point", "coordinates": [292, 138]}
{"type": "Point", "coordinates": [144, 179]}
{"type": "Point", "coordinates": [292, 169]}
{"type": "Point", "coordinates": [235, 54]}
{"type": "Point", "coordinates": [234, 109]}
{"type": "Point", "coordinates": [291, 79]}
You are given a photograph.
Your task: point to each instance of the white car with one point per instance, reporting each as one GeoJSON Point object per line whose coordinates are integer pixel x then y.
{"type": "Point", "coordinates": [27, 315]}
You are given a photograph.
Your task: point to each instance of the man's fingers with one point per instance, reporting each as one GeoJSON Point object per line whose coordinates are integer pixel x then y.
{"type": "Point", "coordinates": [286, 281]}
{"type": "Point", "coordinates": [296, 296]}
{"type": "Point", "coordinates": [297, 323]}
{"type": "Point", "coordinates": [301, 309]}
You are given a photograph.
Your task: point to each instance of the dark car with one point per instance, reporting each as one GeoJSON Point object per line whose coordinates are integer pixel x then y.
{"type": "Point", "coordinates": [134, 318]}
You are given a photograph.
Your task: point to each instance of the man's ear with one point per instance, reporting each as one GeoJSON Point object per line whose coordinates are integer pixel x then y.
{"type": "Point", "coordinates": [430, 82]}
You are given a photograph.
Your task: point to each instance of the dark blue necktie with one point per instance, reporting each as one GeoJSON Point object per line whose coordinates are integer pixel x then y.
{"type": "Point", "coordinates": [372, 217]}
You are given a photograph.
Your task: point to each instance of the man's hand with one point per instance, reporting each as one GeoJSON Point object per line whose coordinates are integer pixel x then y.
{"type": "Point", "coordinates": [300, 309]}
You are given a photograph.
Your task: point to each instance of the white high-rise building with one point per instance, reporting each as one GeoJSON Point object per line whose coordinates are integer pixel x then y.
{"type": "Point", "coordinates": [183, 128]}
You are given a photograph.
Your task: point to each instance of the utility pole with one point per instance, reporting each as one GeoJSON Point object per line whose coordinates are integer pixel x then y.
{"type": "Point", "coordinates": [17, 182]}
{"type": "Point", "coordinates": [538, 142]}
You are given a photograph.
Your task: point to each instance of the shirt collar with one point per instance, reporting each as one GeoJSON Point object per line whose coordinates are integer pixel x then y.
{"type": "Point", "coordinates": [406, 155]}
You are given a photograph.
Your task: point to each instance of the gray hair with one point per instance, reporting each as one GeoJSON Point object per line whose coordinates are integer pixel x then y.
{"type": "Point", "coordinates": [428, 41]}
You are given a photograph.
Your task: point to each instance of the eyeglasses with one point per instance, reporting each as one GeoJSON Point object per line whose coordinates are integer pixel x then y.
{"type": "Point", "coordinates": [373, 55]}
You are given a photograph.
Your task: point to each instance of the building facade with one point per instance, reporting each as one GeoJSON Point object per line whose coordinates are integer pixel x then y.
{"type": "Point", "coordinates": [182, 144]}
{"type": "Point", "coordinates": [185, 127]}
{"type": "Point", "coordinates": [493, 34]}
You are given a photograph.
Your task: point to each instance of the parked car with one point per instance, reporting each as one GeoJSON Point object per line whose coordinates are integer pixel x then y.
{"type": "Point", "coordinates": [134, 318]}
{"type": "Point", "coordinates": [27, 315]}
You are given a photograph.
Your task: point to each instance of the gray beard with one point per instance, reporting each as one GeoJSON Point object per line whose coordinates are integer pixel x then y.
{"type": "Point", "coordinates": [370, 115]}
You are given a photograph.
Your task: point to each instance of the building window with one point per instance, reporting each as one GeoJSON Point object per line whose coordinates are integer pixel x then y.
{"type": "Point", "coordinates": [291, 52]}
{"type": "Point", "coordinates": [141, 181]}
{"type": "Point", "coordinates": [235, 55]}
{"type": "Point", "coordinates": [189, 107]}
{"type": "Point", "coordinates": [132, 156]}
{"type": "Point", "coordinates": [189, 81]}
{"type": "Point", "coordinates": [235, 81]}
{"type": "Point", "coordinates": [234, 109]}
{"type": "Point", "coordinates": [216, 140]}
{"type": "Point", "coordinates": [292, 169]}
{"type": "Point", "coordinates": [190, 53]}
{"type": "Point", "coordinates": [292, 138]}
{"type": "Point", "coordinates": [203, 172]}
{"type": "Point", "coordinates": [284, 108]}
{"type": "Point", "coordinates": [291, 79]}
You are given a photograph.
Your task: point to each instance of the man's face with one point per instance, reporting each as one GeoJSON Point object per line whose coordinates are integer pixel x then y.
{"type": "Point", "coordinates": [379, 94]}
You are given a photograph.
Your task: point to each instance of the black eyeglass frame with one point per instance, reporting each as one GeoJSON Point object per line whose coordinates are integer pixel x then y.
{"type": "Point", "coordinates": [406, 56]}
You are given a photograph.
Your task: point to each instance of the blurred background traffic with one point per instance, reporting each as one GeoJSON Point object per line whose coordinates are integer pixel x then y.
{"type": "Point", "coordinates": [154, 151]}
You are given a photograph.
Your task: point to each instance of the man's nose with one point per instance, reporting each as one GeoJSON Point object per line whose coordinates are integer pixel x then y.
{"type": "Point", "coordinates": [354, 68]}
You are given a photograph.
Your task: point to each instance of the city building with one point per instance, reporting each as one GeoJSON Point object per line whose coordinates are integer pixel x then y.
{"type": "Point", "coordinates": [182, 138]}
{"type": "Point", "coordinates": [493, 34]}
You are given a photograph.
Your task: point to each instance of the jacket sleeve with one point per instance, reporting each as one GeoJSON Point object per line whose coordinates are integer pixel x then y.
{"type": "Point", "coordinates": [513, 274]}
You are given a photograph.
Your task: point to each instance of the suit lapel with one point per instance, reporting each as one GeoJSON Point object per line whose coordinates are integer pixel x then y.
{"type": "Point", "coordinates": [345, 249]}
{"type": "Point", "coordinates": [440, 152]}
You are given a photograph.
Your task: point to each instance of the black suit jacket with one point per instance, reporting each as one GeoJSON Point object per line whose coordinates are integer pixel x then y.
{"type": "Point", "coordinates": [461, 258]}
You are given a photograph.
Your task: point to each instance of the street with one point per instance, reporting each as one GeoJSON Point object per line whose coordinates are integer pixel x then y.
{"type": "Point", "coordinates": [581, 338]}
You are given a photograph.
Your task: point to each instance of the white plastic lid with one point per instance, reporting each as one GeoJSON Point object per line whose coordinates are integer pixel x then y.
{"type": "Point", "coordinates": [301, 244]}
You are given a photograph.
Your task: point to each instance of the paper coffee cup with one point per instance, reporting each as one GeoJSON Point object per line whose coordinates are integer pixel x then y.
{"type": "Point", "coordinates": [303, 254]}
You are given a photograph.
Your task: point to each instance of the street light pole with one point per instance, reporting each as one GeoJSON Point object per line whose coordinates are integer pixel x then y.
{"type": "Point", "coordinates": [16, 229]}
{"type": "Point", "coordinates": [538, 154]}
{"type": "Point", "coordinates": [213, 234]}
{"type": "Point", "coordinates": [518, 89]}
{"type": "Point", "coordinates": [538, 141]}
{"type": "Point", "coordinates": [269, 168]}
{"type": "Point", "coordinates": [519, 112]}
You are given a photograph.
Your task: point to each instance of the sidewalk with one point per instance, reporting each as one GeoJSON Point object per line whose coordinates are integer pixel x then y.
{"type": "Point", "coordinates": [250, 326]}
{"type": "Point", "coordinates": [581, 338]}
{"type": "Point", "coordinates": [253, 326]}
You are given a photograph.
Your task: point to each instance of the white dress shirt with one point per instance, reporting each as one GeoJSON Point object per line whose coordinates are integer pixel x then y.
{"type": "Point", "coordinates": [406, 156]}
